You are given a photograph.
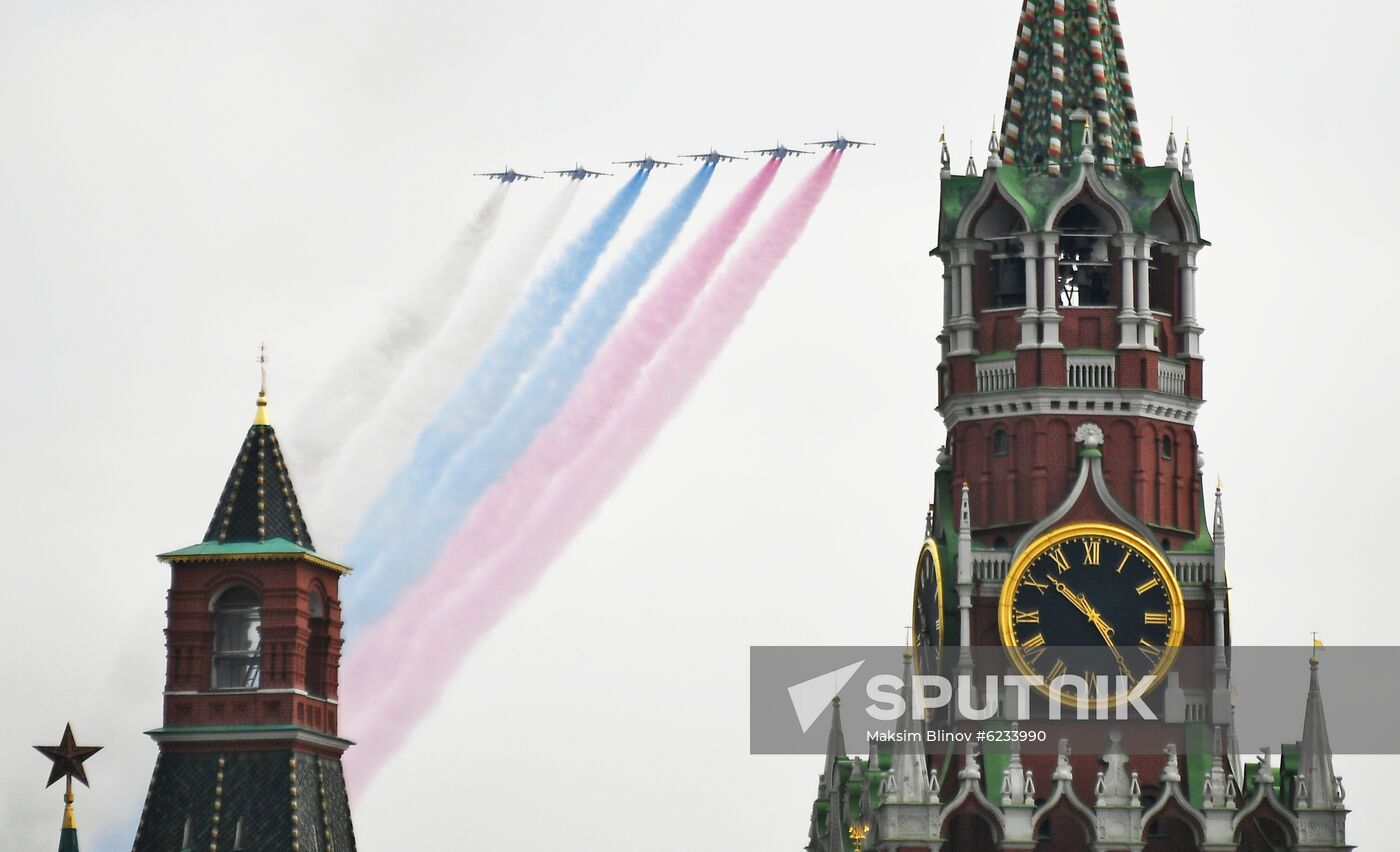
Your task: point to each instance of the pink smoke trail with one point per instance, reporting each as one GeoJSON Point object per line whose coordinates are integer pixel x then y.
{"type": "Point", "coordinates": [528, 517]}
{"type": "Point", "coordinates": [614, 372]}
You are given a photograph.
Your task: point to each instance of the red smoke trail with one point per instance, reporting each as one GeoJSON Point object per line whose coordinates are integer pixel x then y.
{"type": "Point", "coordinates": [528, 517]}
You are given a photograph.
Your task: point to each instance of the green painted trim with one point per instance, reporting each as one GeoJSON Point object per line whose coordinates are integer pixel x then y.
{"type": "Point", "coordinates": [272, 548]}
{"type": "Point", "coordinates": [996, 757]}
{"type": "Point", "coordinates": [1090, 352]}
{"type": "Point", "coordinates": [1004, 355]}
{"type": "Point", "coordinates": [1200, 742]}
{"type": "Point", "coordinates": [68, 840]}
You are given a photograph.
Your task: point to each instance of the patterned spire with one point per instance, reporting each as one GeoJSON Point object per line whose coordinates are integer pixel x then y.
{"type": "Point", "coordinates": [258, 502]}
{"type": "Point", "coordinates": [1317, 779]}
{"type": "Point", "coordinates": [1069, 66]}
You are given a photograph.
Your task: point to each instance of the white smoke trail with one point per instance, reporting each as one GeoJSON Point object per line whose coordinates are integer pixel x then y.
{"type": "Point", "coordinates": [358, 383]}
{"type": "Point", "coordinates": [381, 442]}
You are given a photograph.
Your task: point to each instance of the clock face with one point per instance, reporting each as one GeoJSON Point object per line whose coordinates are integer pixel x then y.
{"type": "Point", "coordinates": [1092, 600]}
{"type": "Point", "coordinates": [928, 610]}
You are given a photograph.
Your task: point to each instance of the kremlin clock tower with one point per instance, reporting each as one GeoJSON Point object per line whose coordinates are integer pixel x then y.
{"type": "Point", "coordinates": [1070, 509]}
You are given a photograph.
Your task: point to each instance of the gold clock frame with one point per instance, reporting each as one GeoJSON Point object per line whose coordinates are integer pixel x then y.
{"type": "Point", "coordinates": [1065, 533]}
{"type": "Point", "coordinates": [931, 548]}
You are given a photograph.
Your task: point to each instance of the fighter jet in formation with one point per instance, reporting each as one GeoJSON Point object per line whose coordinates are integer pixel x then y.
{"type": "Point", "coordinates": [713, 157]}
{"type": "Point", "coordinates": [579, 173]}
{"type": "Point", "coordinates": [508, 176]}
{"type": "Point", "coordinates": [646, 163]}
{"type": "Point", "coordinates": [840, 143]}
{"type": "Point", "coordinates": [780, 152]}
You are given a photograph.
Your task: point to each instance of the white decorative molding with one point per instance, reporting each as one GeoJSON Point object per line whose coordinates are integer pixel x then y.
{"type": "Point", "coordinates": [1171, 377]}
{"type": "Point", "coordinates": [995, 376]}
{"type": "Point", "coordinates": [1090, 435]}
{"type": "Point", "coordinates": [1092, 372]}
{"type": "Point", "coordinates": [1135, 402]}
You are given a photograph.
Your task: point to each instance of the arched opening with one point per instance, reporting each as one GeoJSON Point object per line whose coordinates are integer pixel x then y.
{"type": "Point", "coordinates": [1063, 829]}
{"type": "Point", "coordinates": [969, 831]}
{"type": "Point", "coordinates": [1261, 833]}
{"type": "Point", "coordinates": [1001, 443]}
{"type": "Point", "coordinates": [1084, 264]}
{"type": "Point", "coordinates": [1170, 832]}
{"type": "Point", "coordinates": [1000, 225]}
{"type": "Point", "coordinates": [237, 639]}
{"type": "Point", "coordinates": [317, 647]}
{"type": "Point", "coordinates": [1165, 229]}
{"type": "Point", "coordinates": [1168, 447]}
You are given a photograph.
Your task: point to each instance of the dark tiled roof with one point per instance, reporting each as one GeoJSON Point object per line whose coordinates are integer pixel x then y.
{"type": "Point", "coordinates": [259, 502]}
{"type": "Point", "coordinates": [278, 796]}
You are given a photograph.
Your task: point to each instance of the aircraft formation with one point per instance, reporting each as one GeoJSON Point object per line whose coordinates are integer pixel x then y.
{"type": "Point", "coordinates": [648, 163]}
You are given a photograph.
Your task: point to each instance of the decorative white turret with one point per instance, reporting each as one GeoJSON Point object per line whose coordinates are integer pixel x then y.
{"type": "Point", "coordinates": [1319, 794]}
{"type": "Point", "coordinates": [909, 812]}
{"type": "Point", "coordinates": [1222, 711]}
{"type": "Point", "coordinates": [965, 581]}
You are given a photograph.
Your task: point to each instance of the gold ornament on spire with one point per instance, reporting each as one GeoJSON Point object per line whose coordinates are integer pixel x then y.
{"type": "Point", "coordinates": [260, 419]}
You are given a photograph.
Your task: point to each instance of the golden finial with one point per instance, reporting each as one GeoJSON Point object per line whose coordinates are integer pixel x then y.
{"type": "Point", "coordinates": [1317, 646]}
{"type": "Point", "coordinates": [1219, 484]}
{"type": "Point", "coordinates": [69, 821]}
{"type": "Point", "coordinates": [261, 418]}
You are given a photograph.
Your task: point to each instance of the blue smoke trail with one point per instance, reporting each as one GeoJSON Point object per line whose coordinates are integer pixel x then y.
{"type": "Point", "coordinates": [482, 460]}
{"type": "Point", "coordinates": [481, 394]}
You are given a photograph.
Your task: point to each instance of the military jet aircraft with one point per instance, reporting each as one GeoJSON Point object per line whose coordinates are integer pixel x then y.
{"type": "Point", "coordinates": [713, 157]}
{"type": "Point", "coordinates": [579, 173]}
{"type": "Point", "coordinates": [646, 163]}
{"type": "Point", "coordinates": [780, 152]}
{"type": "Point", "coordinates": [508, 176]}
{"type": "Point", "coordinates": [840, 143]}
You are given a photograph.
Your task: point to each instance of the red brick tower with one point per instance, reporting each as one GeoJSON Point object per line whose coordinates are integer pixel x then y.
{"type": "Point", "coordinates": [249, 756]}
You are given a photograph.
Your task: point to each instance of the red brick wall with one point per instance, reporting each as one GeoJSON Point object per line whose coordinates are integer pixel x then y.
{"type": "Point", "coordinates": [1011, 492]}
{"type": "Point", "coordinates": [289, 635]}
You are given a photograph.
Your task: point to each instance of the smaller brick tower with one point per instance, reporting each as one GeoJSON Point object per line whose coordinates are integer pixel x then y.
{"type": "Point", "coordinates": [249, 756]}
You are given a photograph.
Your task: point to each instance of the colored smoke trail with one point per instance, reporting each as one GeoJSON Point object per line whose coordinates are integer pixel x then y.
{"type": "Point", "coordinates": [528, 518]}
{"type": "Point", "coordinates": [604, 387]}
{"type": "Point", "coordinates": [495, 447]}
{"type": "Point", "coordinates": [481, 394]}
{"type": "Point", "coordinates": [382, 443]}
{"type": "Point", "coordinates": [358, 384]}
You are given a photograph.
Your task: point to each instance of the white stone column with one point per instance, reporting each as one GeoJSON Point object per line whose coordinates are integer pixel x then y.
{"type": "Point", "coordinates": [1144, 295]}
{"type": "Point", "coordinates": [1127, 317]}
{"type": "Point", "coordinates": [1030, 318]}
{"type": "Point", "coordinates": [1190, 328]}
{"type": "Point", "coordinates": [964, 322]}
{"type": "Point", "coordinates": [1050, 279]}
{"type": "Point", "coordinates": [952, 302]}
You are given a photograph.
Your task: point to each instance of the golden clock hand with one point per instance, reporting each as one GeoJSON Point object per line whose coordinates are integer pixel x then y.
{"type": "Point", "coordinates": [1107, 632]}
{"type": "Point", "coordinates": [1078, 600]}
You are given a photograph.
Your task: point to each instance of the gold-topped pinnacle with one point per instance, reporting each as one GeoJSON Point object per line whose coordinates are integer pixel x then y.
{"type": "Point", "coordinates": [260, 419]}
{"type": "Point", "coordinates": [69, 821]}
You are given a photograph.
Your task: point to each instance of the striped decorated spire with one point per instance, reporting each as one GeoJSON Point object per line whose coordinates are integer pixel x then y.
{"type": "Point", "coordinates": [1070, 69]}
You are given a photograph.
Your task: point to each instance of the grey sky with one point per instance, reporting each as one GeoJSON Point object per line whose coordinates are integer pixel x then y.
{"type": "Point", "coordinates": [182, 180]}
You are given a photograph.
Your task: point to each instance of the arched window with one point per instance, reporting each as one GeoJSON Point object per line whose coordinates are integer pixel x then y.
{"type": "Point", "coordinates": [1084, 264]}
{"type": "Point", "coordinates": [237, 639]}
{"type": "Point", "coordinates": [1009, 284]}
{"type": "Point", "coordinates": [318, 645]}
{"type": "Point", "coordinates": [1168, 447]}
{"type": "Point", "coordinates": [1001, 443]}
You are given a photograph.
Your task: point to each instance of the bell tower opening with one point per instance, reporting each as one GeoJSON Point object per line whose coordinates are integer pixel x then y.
{"type": "Point", "coordinates": [1084, 265]}
{"type": "Point", "coordinates": [237, 639]}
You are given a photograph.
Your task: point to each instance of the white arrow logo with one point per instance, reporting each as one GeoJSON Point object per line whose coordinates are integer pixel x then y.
{"type": "Point", "coordinates": [810, 698]}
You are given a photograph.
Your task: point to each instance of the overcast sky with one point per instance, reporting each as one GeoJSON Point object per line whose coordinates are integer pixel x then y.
{"type": "Point", "coordinates": [182, 180]}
